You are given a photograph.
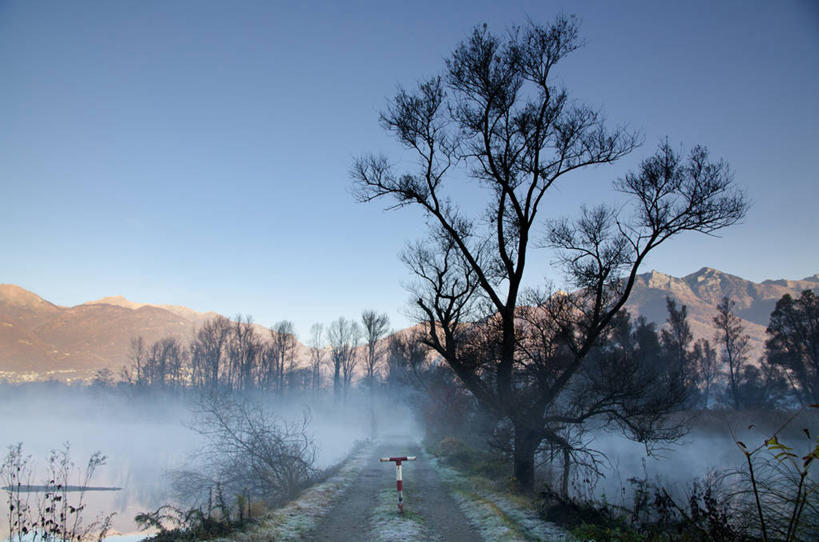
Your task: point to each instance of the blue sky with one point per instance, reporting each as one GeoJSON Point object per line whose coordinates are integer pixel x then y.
{"type": "Point", "coordinates": [197, 153]}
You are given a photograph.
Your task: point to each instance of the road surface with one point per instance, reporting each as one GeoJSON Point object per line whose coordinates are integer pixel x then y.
{"type": "Point", "coordinates": [426, 502]}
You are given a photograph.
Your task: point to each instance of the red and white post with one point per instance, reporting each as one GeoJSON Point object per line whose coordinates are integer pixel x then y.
{"type": "Point", "coordinates": [399, 481]}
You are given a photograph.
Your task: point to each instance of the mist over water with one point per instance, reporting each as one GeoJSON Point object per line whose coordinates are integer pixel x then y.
{"type": "Point", "coordinates": [709, 447]}
{"type": "Point", "coordinates": [144, 437]}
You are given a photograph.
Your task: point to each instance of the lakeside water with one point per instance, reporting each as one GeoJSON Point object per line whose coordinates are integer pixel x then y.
{"type": "Point", "coordinates": [143, 439]}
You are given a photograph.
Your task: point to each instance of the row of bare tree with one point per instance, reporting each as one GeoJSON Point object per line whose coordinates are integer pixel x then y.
{"type": "Point", "coordinates": [233, 354]}
{"type": "Point", "coordinates": [223, 354]}
{"type": "Point", "coordinates": [239, 355]}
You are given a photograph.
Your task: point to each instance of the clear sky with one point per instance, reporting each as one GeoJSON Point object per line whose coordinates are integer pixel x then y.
{"type": "Point", "coordinates": [197, 152]}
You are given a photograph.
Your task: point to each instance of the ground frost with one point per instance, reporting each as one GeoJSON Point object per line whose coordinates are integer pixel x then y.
{"type": "Point", "coordinates": [387, 525]}
{"type": "Point", "coordinates": [496, 516]}
{"type": "Point", "coordinates": [298, 518]}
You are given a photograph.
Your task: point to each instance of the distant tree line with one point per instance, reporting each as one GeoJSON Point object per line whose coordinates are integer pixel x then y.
{"type": "Point", "coordinates": [718, 373]}
{"type": "Point", "coordinates": [786, 376]}
{"type": "Point", "coordinates": [237, 355]}
{"type": "Point", "coordinates": [702, 374]}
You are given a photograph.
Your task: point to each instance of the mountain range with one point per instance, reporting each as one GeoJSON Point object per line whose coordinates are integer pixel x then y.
{"type": "Point", "coordinates": [40, 340]}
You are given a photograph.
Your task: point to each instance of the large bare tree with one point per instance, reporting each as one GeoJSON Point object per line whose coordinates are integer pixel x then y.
{"type": "Point", "coordinates": [497, 117]}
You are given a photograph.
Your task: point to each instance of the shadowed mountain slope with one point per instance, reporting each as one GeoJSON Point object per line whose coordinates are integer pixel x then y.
{"type": "Point", "coordinates": [40, 340]}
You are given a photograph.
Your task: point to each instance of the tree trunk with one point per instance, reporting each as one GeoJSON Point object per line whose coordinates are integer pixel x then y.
{"type": "Point", "coordinates": [526, 443]}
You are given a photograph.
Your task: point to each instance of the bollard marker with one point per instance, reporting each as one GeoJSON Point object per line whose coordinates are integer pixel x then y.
{"type": "Point", "coordinates": [399, 481]}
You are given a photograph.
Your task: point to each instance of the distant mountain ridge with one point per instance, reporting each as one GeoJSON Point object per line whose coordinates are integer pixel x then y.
{"type": "Point", "coordinates": [41, 340]}
{"type": "Point", "coordinates": [703, 290]}
{"type": "Point", "coordinates": [184, 312]}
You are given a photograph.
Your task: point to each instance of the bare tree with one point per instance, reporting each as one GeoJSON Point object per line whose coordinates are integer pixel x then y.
{"type": "Point", "coordinates": [164, 363]}
{"type": "Point", "coordinates": [283, 348]}
{"type": "Point", "coordinates": [137, 354]}
{"type": "Point", "coordinates": [266, 370]}
{"type": "Point", "coordinates": [496, 116]}
{"type": "Point", "coordinates": [209, 352]}
{"type": "Point", "coordinates": [343, 336]}
{"type": "Point", "coordinates": [734, 346]}
{"type": "Point", "coordinates": [375, 328]}
{"type": "Point", "coordinates": [316, 354]}
{"type": "Point", "coordinates": [244, 351]}
{"type": "Point", "coordinates": [406, 357]}
{"type": "Point", "coordinates": [350, 361]}
{"type": "Point", "coordinates": [248, 450]}
{"type": "Point", "coordinates": [708, 371]}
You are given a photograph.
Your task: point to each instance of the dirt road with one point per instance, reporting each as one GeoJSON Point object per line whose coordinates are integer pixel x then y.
{"type": "Point", "coordinates": [368, 511]}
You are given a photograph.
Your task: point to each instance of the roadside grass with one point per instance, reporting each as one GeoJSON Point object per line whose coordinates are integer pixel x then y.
{"type": "Point", "coordinates": [387, 525]}
{"type": "Point", "coordinates": [496, 514]}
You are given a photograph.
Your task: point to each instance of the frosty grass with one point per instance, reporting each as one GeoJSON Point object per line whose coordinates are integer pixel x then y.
{"type": "Point", "coordinates": [496, 516]}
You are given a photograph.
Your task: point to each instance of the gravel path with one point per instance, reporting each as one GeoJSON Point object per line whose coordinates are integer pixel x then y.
{"type": "Point", "coordinates": [427, 504]}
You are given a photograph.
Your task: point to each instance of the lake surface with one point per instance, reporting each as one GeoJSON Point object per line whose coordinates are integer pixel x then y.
{"type": "Point", "coordinates": [143, 440]}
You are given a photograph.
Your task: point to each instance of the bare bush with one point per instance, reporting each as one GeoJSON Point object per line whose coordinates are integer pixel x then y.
{"type": "Point", "coordinates": [249, 453]}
